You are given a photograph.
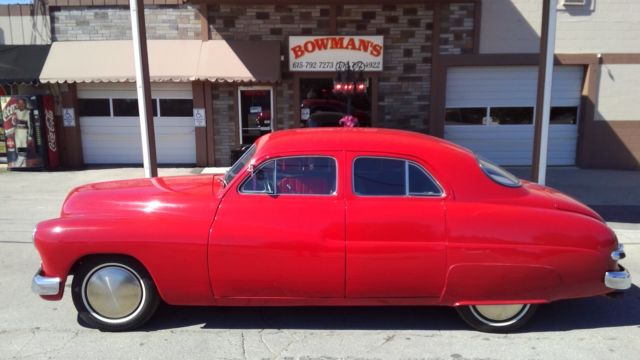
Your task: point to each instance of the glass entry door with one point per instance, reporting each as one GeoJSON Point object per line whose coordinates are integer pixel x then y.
{"type": "Point", "coordinates": [255, 108]}
{"type": "Point", "coordinates": [321, 107]}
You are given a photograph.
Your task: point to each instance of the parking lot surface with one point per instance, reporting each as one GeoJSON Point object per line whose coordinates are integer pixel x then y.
{"type": "Point", "coordinates": [30, 328]}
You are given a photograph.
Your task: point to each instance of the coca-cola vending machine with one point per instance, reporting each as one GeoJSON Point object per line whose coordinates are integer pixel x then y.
{"type": "Point", "coordinates": [29, 132]}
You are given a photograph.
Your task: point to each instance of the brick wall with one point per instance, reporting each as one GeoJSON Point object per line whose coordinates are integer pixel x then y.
{"type": "Point", "coordinates": [457, 28]}
{"type": "Point", "coordinates": [404, 84]}
{"type": "Point", "coordinates": [225, 123]}
{"type": "Point", "coordinates": [271, 22]}
{"type": "Point", "coordinates": [114, 23]}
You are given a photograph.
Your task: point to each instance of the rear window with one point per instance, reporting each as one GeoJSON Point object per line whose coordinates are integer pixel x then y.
{"type": "Point", "coordinates": [498, 174]}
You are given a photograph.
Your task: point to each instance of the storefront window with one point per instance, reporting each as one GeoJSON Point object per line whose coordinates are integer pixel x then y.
{"type": "Point", "coordinates": [256, 114]}
{"type": "Point", "coordinates": [129, 107]}
{"type": "Point", "coordinates": [465, 116]}
{"type": "Point", "coordinates": [320, 107]}
{"type": "Point", "coordinates": [489, 116]}
{"type": "Point", "coordinates": [94, 107]}
{"type": "Point", "coordinates": [511, 115]}
{"type": "Point", "coordinates": [176, 107]}
{"type": "Point", "coordinates": [564, 115]}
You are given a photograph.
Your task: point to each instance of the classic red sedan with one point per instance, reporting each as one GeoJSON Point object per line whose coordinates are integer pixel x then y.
{"type": "Point", "coordinates": [334, 217]}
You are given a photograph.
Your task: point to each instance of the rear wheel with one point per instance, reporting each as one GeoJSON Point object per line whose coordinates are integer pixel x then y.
{"type": "Point", "coordinates": [114, 293]}
{"type": "Point", "coordinates": [497, 318]}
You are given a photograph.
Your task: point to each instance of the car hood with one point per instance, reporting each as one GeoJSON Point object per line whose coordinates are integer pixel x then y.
{"type": "Point", "coordinates": [142, 196]}
{"type": "Point", "coordinates": [560, 200]}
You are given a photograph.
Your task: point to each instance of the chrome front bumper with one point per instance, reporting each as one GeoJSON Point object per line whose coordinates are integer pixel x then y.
{"type": "Point", "coordinates": [618, 280]}
{"type": "Point", "coordinates": [43, 285]}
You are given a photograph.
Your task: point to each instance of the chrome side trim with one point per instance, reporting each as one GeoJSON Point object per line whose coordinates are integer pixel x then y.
{"type": "Point", "coordinates": [618, 253]}
{"type": "Point", "coordinates": [618, 280]}
{"type": "Point", "coordinates": [44, 285]}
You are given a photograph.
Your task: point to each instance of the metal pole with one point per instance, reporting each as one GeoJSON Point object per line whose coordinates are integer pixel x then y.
{"type": "Point", "coordinates": [143, 86]}
{"type": "Point", "coordinates": [545, 82]}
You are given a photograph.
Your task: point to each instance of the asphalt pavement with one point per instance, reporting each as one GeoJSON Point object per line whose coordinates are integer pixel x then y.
{"type": "Point", "coordinates": [31, 328]}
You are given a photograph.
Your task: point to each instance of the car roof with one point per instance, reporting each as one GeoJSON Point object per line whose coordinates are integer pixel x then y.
{"type": "Point", "coordinates": [452, 165]}
{"type": "Point", "coordinates": [355, 139]}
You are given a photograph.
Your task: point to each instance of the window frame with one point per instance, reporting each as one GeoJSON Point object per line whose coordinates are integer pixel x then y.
{"type": "Point", "coordinates": [407, 194]}
{"type": "Point", "coordinates": [239, 98]}
{"type": "Point", "coordinates": [275, 176]}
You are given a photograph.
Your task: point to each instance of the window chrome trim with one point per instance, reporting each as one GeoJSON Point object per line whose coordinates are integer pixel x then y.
{"type": "Point", "coordinates": [407, 194]}
{"type": "Point", "coordinates": [334, 193]}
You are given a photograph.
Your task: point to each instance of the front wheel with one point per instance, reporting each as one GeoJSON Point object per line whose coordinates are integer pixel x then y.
{"type": "Point", "coordinates": [497, 318]}
{"type": "Point", "coordinates": [114, 293]}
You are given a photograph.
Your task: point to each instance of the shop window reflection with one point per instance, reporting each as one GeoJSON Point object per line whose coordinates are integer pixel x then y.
{"type": "Point", "coordinates": [320, 107]}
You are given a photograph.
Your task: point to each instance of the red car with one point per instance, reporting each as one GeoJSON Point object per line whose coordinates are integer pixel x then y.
{"type": "Point", "coordinates": [348, 216]}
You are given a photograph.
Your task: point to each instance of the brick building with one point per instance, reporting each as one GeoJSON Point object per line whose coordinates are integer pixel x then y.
{"type": "Point", "coordinates": [464, 70]}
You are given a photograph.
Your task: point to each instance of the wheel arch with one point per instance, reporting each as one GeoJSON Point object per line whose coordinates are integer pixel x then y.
{"type": "Point", "coordinates": [110, 257]}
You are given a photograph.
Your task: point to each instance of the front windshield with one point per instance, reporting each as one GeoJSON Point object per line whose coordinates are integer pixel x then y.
{"type": "Point", "coordinates": [235, 169]}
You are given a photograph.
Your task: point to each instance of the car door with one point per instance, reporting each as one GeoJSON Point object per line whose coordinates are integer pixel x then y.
{"type": "Point", "coordinates": [280, 233]}
{"type": "Point", "coordinates": [395, 228]}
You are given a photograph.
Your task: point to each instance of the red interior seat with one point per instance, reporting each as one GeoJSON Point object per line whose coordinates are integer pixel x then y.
{"type": "Point", "coordinates": [303, 185]}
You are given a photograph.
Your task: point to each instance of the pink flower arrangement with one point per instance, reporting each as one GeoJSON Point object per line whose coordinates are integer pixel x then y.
{"type": "Point", "coordinates": [349, 121]}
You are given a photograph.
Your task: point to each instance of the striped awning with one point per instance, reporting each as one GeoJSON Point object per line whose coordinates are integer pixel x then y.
{"type": "Point", "coordinates": [169, 61]}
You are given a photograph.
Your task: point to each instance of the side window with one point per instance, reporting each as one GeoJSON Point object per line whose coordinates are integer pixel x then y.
{"type": "Point", "coordinates": [379, 176]}
{"type": "Point", "coordinates": [373, 176]}
{"type": "Point", "coordinates": [262, 180]}
{"type": "Point", "coordinates": [420, 183]}
{"type": "Point", "coordinates": [313, 175]}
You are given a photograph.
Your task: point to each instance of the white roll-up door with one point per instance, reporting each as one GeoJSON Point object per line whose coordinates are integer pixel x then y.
{"type": "Point", "coordinates": [512, 88]}
{"type": "Point", "coordinates": [110, 137]}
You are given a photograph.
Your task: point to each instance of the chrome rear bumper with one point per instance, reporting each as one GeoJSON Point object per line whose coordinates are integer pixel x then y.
{"type": "Point", "coordinates": [618, 280]}
{"type": "Point", "coordinates": [44, 285]}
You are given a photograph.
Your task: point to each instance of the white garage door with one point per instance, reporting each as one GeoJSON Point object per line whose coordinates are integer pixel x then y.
{"type": "Point", "coordinates": [110, 126]}
{"type": "Point", "coordinates": [490, 110]}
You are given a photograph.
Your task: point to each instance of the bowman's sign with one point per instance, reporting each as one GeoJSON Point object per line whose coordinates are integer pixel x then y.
{"type": "Point", "coordinates": [330, 53]}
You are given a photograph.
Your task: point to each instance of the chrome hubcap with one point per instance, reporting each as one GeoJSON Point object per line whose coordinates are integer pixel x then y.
{"type": "Point", "coordinates": [113, 292]}
{"type": "Point", "coordinates": [500, 315]}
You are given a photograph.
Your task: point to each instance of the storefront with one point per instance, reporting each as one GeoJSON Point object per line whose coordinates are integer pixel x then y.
{"type": "Point", "coordinates": [102, 113]}
{"type": "Point", "coordinates": [225, 73]}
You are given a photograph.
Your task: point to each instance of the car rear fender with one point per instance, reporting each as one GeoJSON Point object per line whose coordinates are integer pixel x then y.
{"type": "Point", "coordinates": [499, 283]}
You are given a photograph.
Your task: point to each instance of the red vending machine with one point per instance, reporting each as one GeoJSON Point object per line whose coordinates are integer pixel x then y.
{"type": "Point", "coordinates": [29, 132]}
